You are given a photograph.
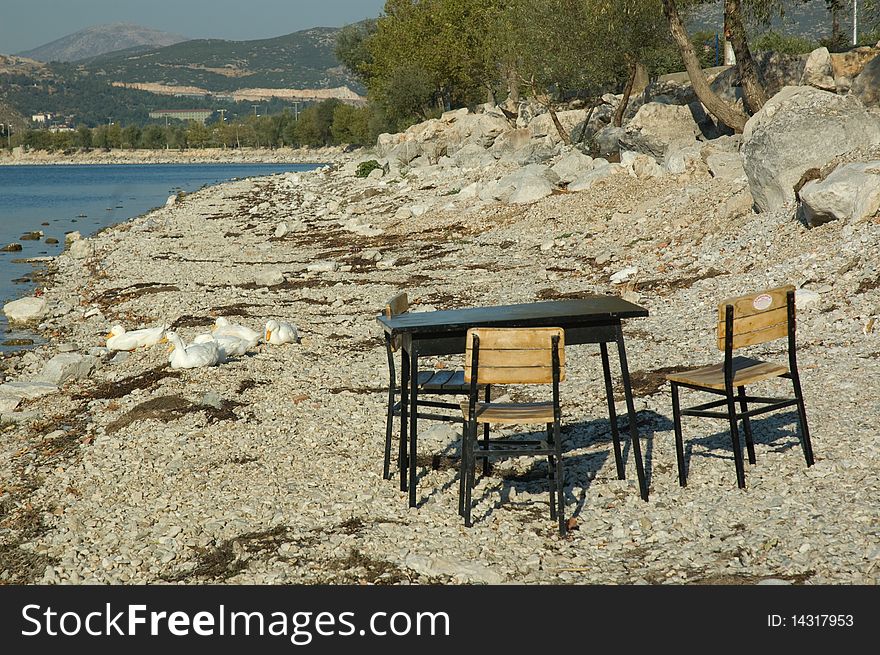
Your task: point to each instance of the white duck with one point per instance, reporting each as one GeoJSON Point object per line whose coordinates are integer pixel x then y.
{"type": "Point", "coordinates": [222, 326]}
{"type": "Point", "coordinates": [195, 355]}
{"type": "Point", "coordinates": [119, 339]}
{"type": "Point", "coordinates": [230, 345]}
{"type": "Point", "coordinates": [280, 332]}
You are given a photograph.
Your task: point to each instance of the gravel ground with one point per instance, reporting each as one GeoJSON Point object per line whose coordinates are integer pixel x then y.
{"type": "Point", "coordinates": [267, 469]}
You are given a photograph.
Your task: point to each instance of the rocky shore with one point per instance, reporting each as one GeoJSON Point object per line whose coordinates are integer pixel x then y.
{"type": "Point", "coordinates": [267, 469]}
{"type": "Point", "coordinates": [189, 156]}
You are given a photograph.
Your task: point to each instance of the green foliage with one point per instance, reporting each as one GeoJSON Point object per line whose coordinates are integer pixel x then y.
{"type": "Point", "coordinates": [366, 167]}
{"type": "Point", "coordinates": [353, 125]}
{"type": "Point", "coordinates": [789, 45]}
{"type": "Point", "coordinates": [352, 49]}
{"type": "Point", "coordinates": [315, 123]}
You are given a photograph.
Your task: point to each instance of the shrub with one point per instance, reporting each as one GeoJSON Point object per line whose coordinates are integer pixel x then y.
{"type": "Point", "coordinates": [367, 167]}
{"type": "Point", "coordinates": [788, 45]}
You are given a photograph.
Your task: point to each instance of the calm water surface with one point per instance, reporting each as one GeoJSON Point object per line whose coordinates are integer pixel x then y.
{"type": "Point", "coordinates": [60, 199]}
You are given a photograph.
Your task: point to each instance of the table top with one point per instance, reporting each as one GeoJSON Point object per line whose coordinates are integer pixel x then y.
{"type": "Point", "coordinates": [553, 313]}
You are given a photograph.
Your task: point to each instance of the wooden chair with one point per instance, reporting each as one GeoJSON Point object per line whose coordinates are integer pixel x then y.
{"type": "Point", "coordinates": [442, 383]}
{"type": "Point", "coordinates": [513, 356]}
{"type": "Point", "coordinates": [744, 321]}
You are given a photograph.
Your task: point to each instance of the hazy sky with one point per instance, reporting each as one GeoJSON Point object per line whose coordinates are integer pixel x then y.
{"type": "Point", "coordinates": [26, 25]}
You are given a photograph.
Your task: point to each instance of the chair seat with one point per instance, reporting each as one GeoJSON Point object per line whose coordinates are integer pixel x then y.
{"type": "Point", "coordinates": [511, 412]}
{"type": "Point", "coordinates": [443, 380]}
{"type": "Point", "coordinates": [745, 371]}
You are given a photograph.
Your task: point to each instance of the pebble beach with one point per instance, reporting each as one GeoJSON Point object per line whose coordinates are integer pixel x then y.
{"type": "Point", "coordinates": [268, 469]}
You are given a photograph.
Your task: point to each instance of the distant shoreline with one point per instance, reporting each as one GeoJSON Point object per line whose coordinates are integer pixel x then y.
{"type": "Point", "coordinates": [190, 156]}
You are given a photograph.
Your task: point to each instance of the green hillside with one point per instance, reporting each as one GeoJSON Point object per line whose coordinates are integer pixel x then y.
{"type": "Point", "coordinates": [303, 59]}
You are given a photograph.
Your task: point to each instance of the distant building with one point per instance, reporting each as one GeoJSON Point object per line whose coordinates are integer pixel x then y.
{"type": "Point", "coordinates": [200, 115]}
{"type": "Point", "coordinates": [42, 118]}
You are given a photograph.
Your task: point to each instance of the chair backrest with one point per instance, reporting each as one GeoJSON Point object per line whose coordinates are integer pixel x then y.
{"type": "Point", "coordinates": [396, 305]}
{"type": "Point", "coordinates": [757, 318]}
{"type": "Point", "coordinates": [514, 355]}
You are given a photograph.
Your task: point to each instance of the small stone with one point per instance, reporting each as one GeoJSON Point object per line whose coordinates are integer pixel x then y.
{"type": "Point", "coordinates": [269, 278]}
{"type": "Point", "coordinates": [281, 230]}
{"type": "Point", "coordinates": [12, 247]}
{"type": "Point", "coordinates": [65, 367]}
{"type": "Point", "coordinates": [623, 275]}
{"type": "Point", "coordinates": [70, 237]}
{"type": "Point", "coordinates": [323, 267]}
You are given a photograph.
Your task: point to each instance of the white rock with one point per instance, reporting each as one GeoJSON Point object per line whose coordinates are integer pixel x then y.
{"type": "Point", "coordinates": [27, 390]}
{"type": "Point", "coordinates": [25, 310]}
{"type": "Point", "coordinates": [531, 190]}
{"type": "Point", "coordinates": [587, 180]}
{"type": "Point", "coordinates": [623, 275]}
{"type": "Point", "coordinates": [851, 192]}
{"type": "Point", "coordinates": [70, 237]}
{"type": "Point", "coordinates": [269, 278]}
{"type": "Point", "coordinates": [66, 366]}
{"type": "Point", "coordinates": [323, 267]}
{"type": "Point", "coordinates": [80, 249]}
{"type": "Point", "coordinates": [281, 230]}
{"type": "Point", "coordinates": [172, 200]}
{"type": "Point", "coordinates": [800, 128]}
{"type": "Point", "coordinates": [572, 165]}
{"type": "Point", "coordinates": [806, 297]}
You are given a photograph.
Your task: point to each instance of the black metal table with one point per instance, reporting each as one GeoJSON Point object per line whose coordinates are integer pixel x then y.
{"type": "Point", "coordinates": [595, 319]}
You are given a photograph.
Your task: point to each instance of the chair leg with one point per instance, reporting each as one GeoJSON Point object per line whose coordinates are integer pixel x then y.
{"type": "Point", "coordinates": [679, 443]}
{"type": "Point", "coordinates": [551, 467]}
{"type": "Point", "coordinates": [486, 466]}
{"type": "Point", "coordinates": [747, 426]}
{"type": "Point", "coordinates": [734, 437]}
{"type": "Point", "coordinates": [402, 462]}
{"type": "Point", "coordinates": [389, 430]}
{"type": "Point", "coordinates": [470, 474]}
{"type": "Point", "coordinates": [806, 444]}
{"type": "Point", "coordinates": [462, 466]}
{"type": "Point", "coordinates": [560, 478]}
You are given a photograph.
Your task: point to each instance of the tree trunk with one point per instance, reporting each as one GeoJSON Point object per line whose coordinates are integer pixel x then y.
{"type": "Point", "coordinates": [835, 23]}
{"type": "Point", "coordinates": [755, 95]}
{"type": "Point", "coordinates": [561, 130]}
{"type": "Point", "coordinates": [627, 92]}
{"type": "Point", "coordinates": [716, 106]}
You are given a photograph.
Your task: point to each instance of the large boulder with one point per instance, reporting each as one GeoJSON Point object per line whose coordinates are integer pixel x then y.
{"type": "Point", "coordinates": [800, 128]}
{"type": "Point", "coordinates": [655, 125]}
{"type": "Point", "coordinates": [543, 125]}
{"type": "Point", "coordinates": [473, 156]}
{"type": "Point", "coordinates": [25, 310]}
{"type": "Point", "coordinates": [481, 129]}
{"type": "Point", "coordinates": [850, 63]}
{"type": "Point", "coordinates": [570, 166]}
{"type": "Point", "coordinates": [866, 87]}
{"type": "Point", "coordinates": [850, 192]}
{"type": "Point", "coordinates": [818, 71]}
{"type": "Point", "coordinates": [607, 140]}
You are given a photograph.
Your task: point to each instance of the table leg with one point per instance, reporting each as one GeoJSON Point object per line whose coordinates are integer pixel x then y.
{"type": "Point", "coordinates": [631, 411]}
{"type": "Point", "coordinates": [612, 412]}
{"type": "Point", "coordinates": [404, 414]}
{"type": "Point", "coordinates": [413, 422]}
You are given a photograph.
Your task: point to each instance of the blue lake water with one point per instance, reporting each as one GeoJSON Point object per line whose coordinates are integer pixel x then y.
{"type": "Point", "coordinates": [64, 198]}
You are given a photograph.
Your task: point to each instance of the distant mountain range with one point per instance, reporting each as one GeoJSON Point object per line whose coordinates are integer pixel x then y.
{"type": "Point", "coordinates": [101, 39]}
{"type": "Point", "coordinates": [301, 60]}
{"type": "Point", "coordinates": [125, 85]}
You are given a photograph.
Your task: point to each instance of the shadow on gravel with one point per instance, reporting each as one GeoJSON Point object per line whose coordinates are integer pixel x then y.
{"type": "Point", "coordinates": [297, 549]}
{"type": "Point", "coordinates": [778, 431]}
{"type": "Point", "coordinates": [121, 388]}
{"type": "Point", "coordinates": [580, 467]}
{"type": "Point", "coordinates": [170, 408]}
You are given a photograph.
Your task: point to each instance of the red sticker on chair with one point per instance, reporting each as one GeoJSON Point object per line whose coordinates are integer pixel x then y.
{"type": "Point", "coordinates": [762, 302]}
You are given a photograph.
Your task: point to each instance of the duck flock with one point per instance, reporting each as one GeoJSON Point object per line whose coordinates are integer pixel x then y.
{"type": "Point", "coordinates": [225, 340]}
